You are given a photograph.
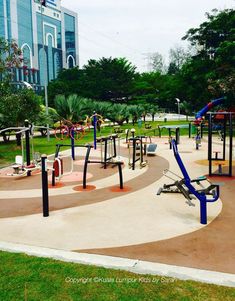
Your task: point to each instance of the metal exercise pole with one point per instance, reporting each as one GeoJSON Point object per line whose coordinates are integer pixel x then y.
{"type": "Point", "coordinates": [225, 135]}
{"type": "Point", "coordinates": [45, 199]}
{"type": "Point", "coordinates": [210, 143]}
{"type": "Point", "coordinates": [230, 144]}
{"type": "Point", "coordinates": [105, 152]}
{"type": "Point", "coordinates": [134, 153]}
{"type": "Point", "coordinates": [72, 144]}
{"type": "Point", "coordinates": [95, 127]}
{"type": "Point", "coordinates": [27, 145]}
{"type": "Point", "coordinates": [85, 166]}
{"type": "Point", "coordinates": [141, 150]}
{"type": "Point", "coordinates": [189, 129]}
{"type": "Point", "coordinates": [203, 212]}
{"type": "Point", "coordinates": [120, 175]}
{"type": "Point", "coordinates": [114, 146]}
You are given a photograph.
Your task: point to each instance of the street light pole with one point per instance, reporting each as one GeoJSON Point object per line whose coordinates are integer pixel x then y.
{"type": "Point", "coordinates": [45, 69]}
{"type": "Point", "coordinates": [178, 103]}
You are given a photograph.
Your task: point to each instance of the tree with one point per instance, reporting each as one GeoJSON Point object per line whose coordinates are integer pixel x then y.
{"type": "Point", "coordinates": [10, 57]}
{"type": "Point", "coordinates": [177, 57]}
{"type": "Point", "coordinates": [146, 88]}
{"type": "Point", "coordinates": [209, 36]}
{"type": "Point", "coordinates": [106, 79]}
{"type": "Point", "coordinates": [157, 62]}
{"type": "Point", "coordinates": [119, 114]}
{"type": "Point", "coordinates": [43, 119]}
{"type": "Point", "coordinates": [70, 108]}
{"type": "Point", "coordinates": [215, 44]}
{"type": "Point", "coordinates": [109, 79]}
{"type": "Point", "coordinates": [17, 107]}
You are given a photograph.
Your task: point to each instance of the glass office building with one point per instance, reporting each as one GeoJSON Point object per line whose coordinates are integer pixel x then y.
{"type": "Point", "coordinates": [36, 28]}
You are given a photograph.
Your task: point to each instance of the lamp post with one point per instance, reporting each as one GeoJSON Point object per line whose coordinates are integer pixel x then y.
{"type": "Point", "coordinates": [178, 103]}
{"type": "Point", "coordinates": [43, 3]}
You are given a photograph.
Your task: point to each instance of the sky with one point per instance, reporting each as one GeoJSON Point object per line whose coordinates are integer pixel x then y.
{"type": "Point", "coordinates": [136, 28]}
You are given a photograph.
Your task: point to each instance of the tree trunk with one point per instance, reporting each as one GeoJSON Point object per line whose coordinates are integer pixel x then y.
{"type": "Point", "coordinates": [153, 117]}
{"type": "Point", "coordinates": [18, 139]}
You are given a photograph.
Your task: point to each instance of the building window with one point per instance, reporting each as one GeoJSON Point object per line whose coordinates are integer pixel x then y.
{"type": "Point", "coordinates": [27, 55]}
{"type": "Point", "coordinates": [70, 62]}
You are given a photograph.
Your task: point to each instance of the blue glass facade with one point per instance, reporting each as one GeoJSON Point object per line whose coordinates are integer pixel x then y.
{"type": "Point", "coordinates": [2, 21]}
{"type": "Point", "coordinates": [35, 27]}
{"type": "Point", "coordinates": [8, 12]}
{"type": "Point", "coordinates": [25, 27]}
{"type": "Point", "coordinates": [70, 38]}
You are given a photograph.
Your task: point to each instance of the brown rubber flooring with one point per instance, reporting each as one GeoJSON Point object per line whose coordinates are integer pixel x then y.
{"type": "Point", "coordinates": [21, 206]}
{"type": "Point", "coordinates": [211, 248]}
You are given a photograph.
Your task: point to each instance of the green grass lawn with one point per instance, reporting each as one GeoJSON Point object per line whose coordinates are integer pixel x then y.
{"type": "Point", "coordinates": [30, 278]}
{"type": "Point", "coordinates": [9, 150]}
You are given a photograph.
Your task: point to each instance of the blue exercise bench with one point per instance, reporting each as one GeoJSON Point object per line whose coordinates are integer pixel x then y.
{"type": "Point", "coordinates": [184, 186]}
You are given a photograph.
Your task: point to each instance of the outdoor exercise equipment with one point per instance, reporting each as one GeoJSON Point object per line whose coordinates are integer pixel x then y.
{"type": "Point", "coordinates": [69, 130]}
{"type": "Point", "coordinates": [97, 120]}
{"type": "Point", "coordinates": [227, 119]}
{"type": "Point", "coordinates": [172, 128]}
{"type": "Point", "coordinates": [151, 149]}
{"type": "Point", "coordinates": [108, 142]}
{"type": "Point", "coordinates": [114, 163]}
{"type": "Point", "coordinates": [185, 186]}
{"type": "Point", "coordinates": [86, 163]}
{"type": "Point", "coordinates": [198, 138]}
{"type": "Point", "coordinates": [58, 163]}
{"type": "Point", "coordinates": [138, 151]}
{"type": "Point", "coordinates": [20, 168]}
{"type": "Point", "coordinates": [45, 197]}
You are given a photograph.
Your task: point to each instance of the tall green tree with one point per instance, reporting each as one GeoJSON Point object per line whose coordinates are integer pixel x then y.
{"type": "Point", "coordinates": [215, 43]}
{"type": "Point", "coordinates": [109, 79]}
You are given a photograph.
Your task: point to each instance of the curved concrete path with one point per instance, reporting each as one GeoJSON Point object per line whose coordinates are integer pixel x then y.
{"type": "Point", "coordinates": [128, 219]}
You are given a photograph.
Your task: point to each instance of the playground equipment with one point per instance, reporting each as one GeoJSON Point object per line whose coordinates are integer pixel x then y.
{"type": "Point", "coordinates": [220, 156]}
{"type": "Point", "coordinates": [57, 170]}
{"type": "Point", "coordinates": [185, 186]}
{"type": "Point", "coordinates": [172, 129]}
{"type": "Point", "coordinates": [20, 168]}
{"type": "Point", "coordinates": [97, 121]}
{"type": "Point", "coordinates": [198, 137]}
{"type": "Point", "coordinates": [109, 142]}
{"type": "Point", "coordinates": [140, 148]}
{"type": "Point", "coordinates": [199, 121]}
{"type": "Point", "coordinates": [204, 110]}
{"type": "Point", "coordinates": [74, 131]}
{"type": "Point", "coordinates": [151, 149]}
{"type": "Point", "coordinates": [138, 151]}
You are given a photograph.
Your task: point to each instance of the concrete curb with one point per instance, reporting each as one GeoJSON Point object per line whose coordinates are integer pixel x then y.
{"type": "Point", "coordinates": [131, 265]}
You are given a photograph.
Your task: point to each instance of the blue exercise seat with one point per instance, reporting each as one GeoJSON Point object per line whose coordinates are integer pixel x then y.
{"type": "Point", "coordinates": [184, 186]}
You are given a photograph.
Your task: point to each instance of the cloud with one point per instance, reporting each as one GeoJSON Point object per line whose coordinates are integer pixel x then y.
{"type": "Point", "coordinates": [131, 28]}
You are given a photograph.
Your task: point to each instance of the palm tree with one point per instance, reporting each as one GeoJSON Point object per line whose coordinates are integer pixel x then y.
{"type": "Point", "coordinates": [69, 108]}
{"type": "Point", "coordinates": [153, 109]}
{"type": "Point", "coordinates": [119, 113]}
{"type": "Point", "coordinates": [136, 112]}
